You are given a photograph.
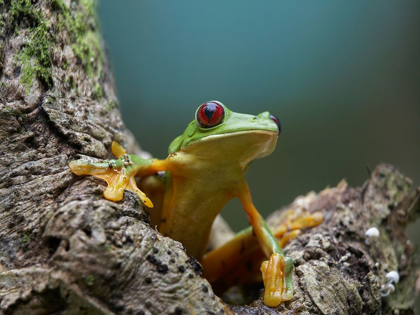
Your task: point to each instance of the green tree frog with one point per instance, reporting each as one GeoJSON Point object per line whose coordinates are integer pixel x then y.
{"type": "Point", "coordinates": [205, 168]}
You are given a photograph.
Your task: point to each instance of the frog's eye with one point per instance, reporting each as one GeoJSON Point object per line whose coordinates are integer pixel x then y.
{"type": "Point", "coordinates": [277, 121]}
{"type": "Point", "coordinates": [210, 114]}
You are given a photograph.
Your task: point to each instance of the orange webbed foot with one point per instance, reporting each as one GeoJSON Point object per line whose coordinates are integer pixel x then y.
{"type": "Point", "coordinates": [119, 174]}
{"type": "Point", "coordinates": [277, 278]}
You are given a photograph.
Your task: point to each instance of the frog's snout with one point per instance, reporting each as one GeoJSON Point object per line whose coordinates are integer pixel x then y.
{"type": "Point", "coordinates": [264, 115]}
{"type": "Point", "coordinates": [269, 118]}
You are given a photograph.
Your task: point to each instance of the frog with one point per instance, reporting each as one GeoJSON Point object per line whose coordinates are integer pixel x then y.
{"type": "Point", "coordinates": [206, 168]}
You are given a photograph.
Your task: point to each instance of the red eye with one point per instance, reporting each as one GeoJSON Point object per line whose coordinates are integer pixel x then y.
{"type": "Point", "coordinates": [210, 114]}
{"type": "Point", "coordinates": [277, 121]}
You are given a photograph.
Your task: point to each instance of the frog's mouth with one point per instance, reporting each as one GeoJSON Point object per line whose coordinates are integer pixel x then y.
{"type": "Point", "coordinates": [241, 146]}
{"type": "Point", "coordinates": [240, 132]}
{"type": "Point", "coordinates": [247, 133]}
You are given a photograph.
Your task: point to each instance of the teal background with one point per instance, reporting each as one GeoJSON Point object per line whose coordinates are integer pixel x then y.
{"type": "Point", "coordinates": [343, 76]}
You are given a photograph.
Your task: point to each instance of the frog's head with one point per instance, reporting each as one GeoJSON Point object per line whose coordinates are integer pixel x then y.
{"type": "Point", "coordinates": [215, 125]}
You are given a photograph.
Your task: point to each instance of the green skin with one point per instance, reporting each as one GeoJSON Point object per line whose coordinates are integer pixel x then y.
{"type": "Point", "coordinates": [204, 170]}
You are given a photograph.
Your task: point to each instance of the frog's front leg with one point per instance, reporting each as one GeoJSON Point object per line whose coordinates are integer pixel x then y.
{"type": "Point", "coordinates": [119, 174]}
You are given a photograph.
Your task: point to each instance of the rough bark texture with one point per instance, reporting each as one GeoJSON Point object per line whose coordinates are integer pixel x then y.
{"type": "Point", "coordinates": [64, 249]}
{"type": "Point", "coordinates": [338, 270]}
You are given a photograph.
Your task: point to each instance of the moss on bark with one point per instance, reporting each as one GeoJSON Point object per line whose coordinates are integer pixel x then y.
{"type": "Point", "coordinates": [36, 53]}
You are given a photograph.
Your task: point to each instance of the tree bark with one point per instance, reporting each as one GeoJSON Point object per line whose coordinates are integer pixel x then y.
{"type": "Point", "coordinates": [338, 269]}
{"type": "Point", "coordinates": [64, 249]}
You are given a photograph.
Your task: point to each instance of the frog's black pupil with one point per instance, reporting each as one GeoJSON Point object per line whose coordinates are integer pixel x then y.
{"type": "Point", "coordinates": [209, 110]}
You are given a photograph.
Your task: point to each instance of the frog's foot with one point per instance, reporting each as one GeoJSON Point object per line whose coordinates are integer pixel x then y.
{"type": "Point", "coordinates": [277, 278]}
{"type": "Point", "coordinates": [119, 175]}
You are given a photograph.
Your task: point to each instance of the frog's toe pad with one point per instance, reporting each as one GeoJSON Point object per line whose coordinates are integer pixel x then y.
{"type": "Point", "coordinates": [147, 202]}
{"type": "Point", "coordinates": [273, 273]}
{"type": "Point", "coordinates": [114, 193]}
{"type": "Point", "coordinates": [79, 167]}
{"type": "Point", "coordinates": [117, 149]}
{"type": "Point", "coordinates": [133, 187]}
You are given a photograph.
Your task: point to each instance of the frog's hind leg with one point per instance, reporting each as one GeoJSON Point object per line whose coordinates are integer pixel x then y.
{"type": "Point", "coordinates": [243, 268]}
{"type": "Point", "coordinates": [237, 258]}
{"type": "Point", "coordinates": [244, 246]}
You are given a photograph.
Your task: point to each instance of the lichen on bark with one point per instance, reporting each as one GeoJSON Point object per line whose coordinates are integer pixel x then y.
{"type": "Point", "coordinates": [61, 241]}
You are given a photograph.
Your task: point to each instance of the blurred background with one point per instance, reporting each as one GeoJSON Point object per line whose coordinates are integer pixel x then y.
{"type": "Point", "coordinates": [343, 77]}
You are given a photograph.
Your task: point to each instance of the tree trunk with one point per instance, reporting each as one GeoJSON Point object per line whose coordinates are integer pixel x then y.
{"type": "Point", "coordinates": [64, 249]}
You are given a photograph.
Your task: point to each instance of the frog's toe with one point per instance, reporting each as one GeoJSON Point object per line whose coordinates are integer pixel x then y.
{"type": "Point", "coordinates": [277, 280]}
{"type": "Point", "coordinates": [117, 149]}
{"type": "Point", "coordinates": [147, 202]}
{"type": "Point", "coordinates": [116, 186]}
{"type": "Point", "coordinates": [79, 167]}
{"type": "Point", "coordinates": [114, 193]}
{"type": "Point", "coordinates": [133, 187]}
{"type": "Point", "coordinates": [283, 240]}
{"type": "Point", "coordinates": [100, 170]}
{"type": "Point", "coordinates": [307, 220]}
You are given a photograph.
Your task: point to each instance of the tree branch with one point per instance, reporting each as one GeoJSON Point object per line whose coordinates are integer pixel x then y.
{"type": "Point", "coordinates": [64, 248]}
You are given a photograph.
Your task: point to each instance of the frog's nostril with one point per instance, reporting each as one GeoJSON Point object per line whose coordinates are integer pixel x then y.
{"type": "Point", "coordinates": [277, 121]}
